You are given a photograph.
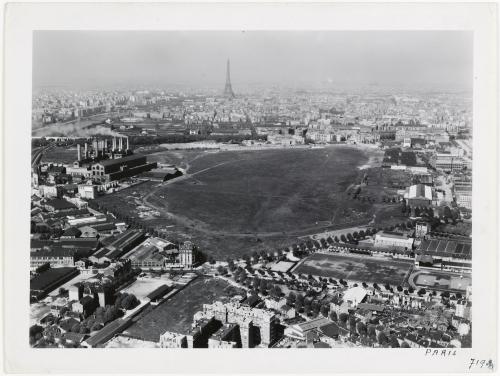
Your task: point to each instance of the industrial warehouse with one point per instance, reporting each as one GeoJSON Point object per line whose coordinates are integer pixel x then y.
{"type": "Point", "coordinates": [98, 167]}
{"type": "Point", "coordinates": [106, 163]}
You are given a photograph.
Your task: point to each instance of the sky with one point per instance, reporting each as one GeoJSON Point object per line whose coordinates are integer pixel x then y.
{"type": "Point", "coordinates": [77, 59]}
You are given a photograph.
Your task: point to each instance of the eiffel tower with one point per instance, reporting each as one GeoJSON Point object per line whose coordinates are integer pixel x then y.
{"type": "Point", "coordinates": [228, 90]}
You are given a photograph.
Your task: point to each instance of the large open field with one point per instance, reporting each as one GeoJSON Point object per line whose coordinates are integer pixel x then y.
{"type": "Point", "coordinates": [356, 268]}
{"type": "Point", "coordinates": [266, 191]}
{"type": "Point", "coordinates": [176, 314]}
{"type": "Point", "coordinates": [234, 202]}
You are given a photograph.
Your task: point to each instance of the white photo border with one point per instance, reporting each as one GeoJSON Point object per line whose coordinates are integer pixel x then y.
{"type": "Point", "coordinates": [21, 19]}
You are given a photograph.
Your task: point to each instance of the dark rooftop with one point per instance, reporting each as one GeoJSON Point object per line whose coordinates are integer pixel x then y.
{"type": "Point", "coordinates": [159, 292]}
{"type": "Point", "coordinates": [79, 242]}
{"type": "Point", "coordinates": [72, 231]}
{"type": "Point", "coordinates": [59, 204]}
{"type": "Point", "coordinates": [45, 279]}
{"type": "Point", "coordinates": [106, 333]}
{"type": "Point", "coordinates": [111, 162]}
{"type": "Point", "coordinates": [54, 252]}
{"type": "Point", "coordinates": [330, 330]}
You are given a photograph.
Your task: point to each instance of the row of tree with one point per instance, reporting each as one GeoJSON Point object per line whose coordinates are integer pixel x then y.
{"type": "Point", "coordinates": [184, 138]}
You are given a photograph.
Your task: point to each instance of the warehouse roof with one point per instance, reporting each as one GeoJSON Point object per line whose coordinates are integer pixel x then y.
{"type": "Point", "coordinates": [419, 191]}
{"type": "Point", "coordinates": [111, 162]}
{"type": "Point", "coordinates": [355, 294]}
{"type": "Point", "coordinates": [106, 333]}
{"type": "Point", "coordinates": [72, 231]}
{"type": "Point", "coordinates": [59, 204]}
{"type": "Point", "coordinates": [53, 252]}
{"type": "Point", "coordinates": [313, 324]}
{"type": "Point", "coordinates": [45, 279]}
{"type": "Point", "coordinates": [159, 292]}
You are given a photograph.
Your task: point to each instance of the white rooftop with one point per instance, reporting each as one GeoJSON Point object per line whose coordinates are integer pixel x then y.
{"type": "Point", "coordinates": [355, 295]}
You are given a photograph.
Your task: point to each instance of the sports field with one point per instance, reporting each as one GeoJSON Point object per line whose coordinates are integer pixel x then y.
{"type": "Point", "coordinates": [438, 280]}
{"type": "Point", "coordinates": [356, 268]}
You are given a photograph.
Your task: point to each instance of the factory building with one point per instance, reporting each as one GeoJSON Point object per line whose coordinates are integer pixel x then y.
{"type": "Point", "coordinates": [419, 195]}
{"type": "Point", "coordinates": [186, 254]}
{"type": "Point", "coordinates": [447, 162]}
{"type": "Point", "coordinates": [107, 160]}
{"type": "Point", "coordinates": [102, 149]}
{"type": "Point", "coordinates": [57, 257]}
{"type": "Point", "coordinates": [115, 169]}
{"type": "Point", "coordinates": [124, 242]}
{"type": "Point", "coordinates": [156, 253]}
{"type": "Point", "coordinates": [87, 191]}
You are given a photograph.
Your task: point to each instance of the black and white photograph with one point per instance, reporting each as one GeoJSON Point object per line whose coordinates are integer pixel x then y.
{"type": "Point", "coordinates": [177, 202]}
{"type": "Point", "coordinates": [253, 189]}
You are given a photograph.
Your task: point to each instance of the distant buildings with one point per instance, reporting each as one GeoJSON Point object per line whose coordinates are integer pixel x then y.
{"type": "Point", "coordinates": [447, 162]}
{"type": "Point", "coordinates": [462, 188]}
{"type": "Point", "coordinates": [285, 140]}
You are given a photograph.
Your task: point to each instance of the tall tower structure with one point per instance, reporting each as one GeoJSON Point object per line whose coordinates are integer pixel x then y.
{"type": "Point", "coordinates": [228, 89]}
{"type": "Point", "coordinates": [186, 254]}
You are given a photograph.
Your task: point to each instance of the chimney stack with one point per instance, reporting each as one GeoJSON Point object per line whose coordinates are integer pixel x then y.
{"type": "Point", "coordinates": [79, 153]}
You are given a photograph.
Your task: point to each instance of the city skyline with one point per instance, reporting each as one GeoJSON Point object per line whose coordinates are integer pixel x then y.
{"type": "Point", "coordinates": [196, 59]}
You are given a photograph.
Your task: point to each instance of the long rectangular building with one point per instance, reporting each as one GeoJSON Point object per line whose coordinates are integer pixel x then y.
{"type": "Point", "coordinates": [55, 257]}
{"type": "Point", "coordinates": [125, 242]}
{"type": "Point", "coordinates": [49, 280]}
{"type": "Point", "coordinates": [115, 169]}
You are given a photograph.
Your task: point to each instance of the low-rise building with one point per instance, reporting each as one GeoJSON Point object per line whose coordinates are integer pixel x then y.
{"type": "Point", "coordinates": [419, 195]}
{"type": "Point", "coordinates": [123, 243]}
{"type": "Point", "coordinates": [387, 239]}
{"type": "Point", "coordinates": [49, 280]}
{"type": "Point", "coordinates": [300, 331]}
{"type": "Point", "coordinates": [115, 169]}
{"type": "Point", "coordinates": [56, 257]}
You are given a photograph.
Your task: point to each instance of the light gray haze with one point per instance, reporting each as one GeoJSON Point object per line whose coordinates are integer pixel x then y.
{"type": "Point", "coordinates": [82, 59]}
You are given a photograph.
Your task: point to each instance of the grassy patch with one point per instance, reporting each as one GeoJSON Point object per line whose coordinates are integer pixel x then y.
{"type": "Point", "coordinates": [176, 314]}
{"type": "Point", "coordinates": [363, 269]}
